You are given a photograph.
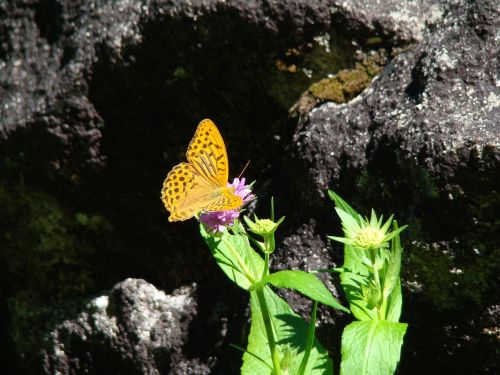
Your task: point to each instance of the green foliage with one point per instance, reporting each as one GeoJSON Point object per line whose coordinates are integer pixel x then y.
{"type": "Point", "coordinates": [280, 342]}
{"type": "Point", "coordinates": [235, 256]}
{"type": "Point", "coordinates": [370, 278]}
{"type": "Point", "coordinates": [371, 347]}
{"type": "Point", "coordinates": [355, 282]}
{"type": "Point", "coordinates": [291, 333]}
{"type": "Point", "coordinates": [305, 283]}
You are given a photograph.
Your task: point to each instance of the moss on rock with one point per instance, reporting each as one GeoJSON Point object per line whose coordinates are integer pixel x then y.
{"type": "Point", "coordinates": [45, 260]}
{"type": "Point", "coordinates": [343, 86]}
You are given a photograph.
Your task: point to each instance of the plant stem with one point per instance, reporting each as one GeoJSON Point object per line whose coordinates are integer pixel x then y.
{"type": "Point", "coordinates": [376, 277]}
{"type": "Point", "coordinates": [310, 339]}
{"type": "Point", "coordinates": [266, 265]}
{"type": "Point", "coordinates": [269, 331]}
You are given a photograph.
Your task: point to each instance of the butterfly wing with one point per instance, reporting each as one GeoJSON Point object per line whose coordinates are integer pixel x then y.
{"type": "Point", "coordinates": [185, 192]}
{"type": "Point", "coordinates": [208, 156]}
{"type": "Point", "coordinates": [201, 184]}
{"type": "Point", "coordinates": [207, 153]}
{"type": "Point", "coordinates": [226, 200]}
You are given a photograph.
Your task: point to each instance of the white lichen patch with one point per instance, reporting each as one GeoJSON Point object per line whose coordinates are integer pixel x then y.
{"type": "Point", "coordinates": [445, 61]}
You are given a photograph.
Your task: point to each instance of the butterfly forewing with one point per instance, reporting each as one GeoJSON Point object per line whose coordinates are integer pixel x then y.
{"type": "Point", "coordinates": [207, 153]}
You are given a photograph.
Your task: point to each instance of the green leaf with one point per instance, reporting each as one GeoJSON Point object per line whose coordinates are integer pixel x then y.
{"type": "Point", "coordinates": [395, 304]}
{"type": "Point", "coordinates": [305, 283]}
{"type": "Point", "coordinates": [392, 283]}
{"type": "Point", "coordinates": [235, 257]}
{"type": "Point", "coordinates": [310, 339]}
{"type": "Point", "coordinates": [354, 281]}
{"type": "Point", "coordinates": [349, 222]}
{"type": "Point", "coordinates": [339, 202]}
{"type": "Point", "coordinates": [371, 348]}
{"type": "Point", "coordinates": [291, 333]}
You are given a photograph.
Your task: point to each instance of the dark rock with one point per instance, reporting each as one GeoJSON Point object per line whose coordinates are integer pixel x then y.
{"type": "Point", "coordinates": [135, 328]}
{"type": "Point", "coordinates": [98, 100]}
{"type": "Point", "coordinates": [423, 142]}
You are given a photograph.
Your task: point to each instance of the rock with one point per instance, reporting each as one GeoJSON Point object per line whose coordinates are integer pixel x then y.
{"type": "Point", "coordinates": [423, 142]}
{"type": "Point", "coordinates": [98, 100]}
{"type": "Point", "coordinates": [435, 100]}
{"type": "Point", "coordinates": [401, 21]}
{"type": "Point", "coordinates": [135, 327]}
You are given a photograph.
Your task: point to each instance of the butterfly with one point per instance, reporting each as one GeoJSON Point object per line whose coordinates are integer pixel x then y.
{"type": "Point", "coordinates": [201, 183]}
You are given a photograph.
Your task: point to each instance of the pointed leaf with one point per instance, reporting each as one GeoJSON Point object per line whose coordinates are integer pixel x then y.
{"type": "Point", "coordinates": [235, 257]}
{"type": "Point", "coordinates": [348, 221]}
{"type": "Point", "coordinates": [305, 283]}
{"type": "Point", "coordinates": [371, 347]}
{"type": "Point", "coordinates": [291, 332]}
{"type": "Point", "coordinates": [339, 202]}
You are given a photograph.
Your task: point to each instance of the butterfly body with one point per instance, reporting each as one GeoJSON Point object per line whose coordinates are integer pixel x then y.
{"type": "Point", "coordinates": [201, 183]}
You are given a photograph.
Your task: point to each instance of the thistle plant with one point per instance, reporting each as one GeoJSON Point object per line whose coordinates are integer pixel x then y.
{"type": "Point", "coordinates": [370, 278]}
{"type": "Point", "coordinates": [280, 342]}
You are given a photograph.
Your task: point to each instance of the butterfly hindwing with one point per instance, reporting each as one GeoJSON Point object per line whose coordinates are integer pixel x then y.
{"type": "Point", "coordinates": [185, 191]}
{"type": "Point", "coordinates": [226, 201]}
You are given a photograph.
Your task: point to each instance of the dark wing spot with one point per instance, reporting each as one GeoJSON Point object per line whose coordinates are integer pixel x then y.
{"type": "Point", "coordinates": [177, 197]}
{"type": "Point", "coordinates": [176, 190]}
{"type": "Point", "coordinates": [207, 133]}
{"type": "Point", "coordinates": [176, 183]}
{"type": "Point", "coordinates": [181, 178]}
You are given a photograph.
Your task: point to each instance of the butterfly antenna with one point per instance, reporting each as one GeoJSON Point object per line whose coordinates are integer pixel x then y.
{"type": "Point", "coordinates": [246, 165]}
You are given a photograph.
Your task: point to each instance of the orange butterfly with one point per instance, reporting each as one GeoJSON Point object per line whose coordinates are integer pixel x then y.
{"type": "Point", "coordinates": [201, 183]}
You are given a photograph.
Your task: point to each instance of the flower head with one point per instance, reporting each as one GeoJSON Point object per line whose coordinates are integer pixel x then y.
{"type": "Point", "coordinates": [217, 221]}
{"type": "Point", "coordinates": [365, 233]}
{"type": "Point", "coordinates": [242, 190]}
{"type": "Point", "coordinates": [263, 227]}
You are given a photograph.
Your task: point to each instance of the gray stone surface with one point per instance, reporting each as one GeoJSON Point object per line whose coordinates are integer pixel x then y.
{"type": "Point", "coordinates": [135, 327]}
{"type": "Point", "coordinates": [436, 104]}
{"type": "Point", "coordinates": [50, 46]}
{"type": "Point", "coordinates": [405, 21]}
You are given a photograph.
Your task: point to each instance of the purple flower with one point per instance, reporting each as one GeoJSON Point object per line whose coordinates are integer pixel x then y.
{"type": "Point", "coordinates": [217, 221]}
{"type": "Point", "coordinates": [242, 190]}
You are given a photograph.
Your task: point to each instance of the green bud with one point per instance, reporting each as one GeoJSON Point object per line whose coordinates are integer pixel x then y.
{"type": "Point", "coordinates": [262, 227]}
{"type": "Point", "coordinates": [287, 359]}
{"type": "Point", "coordinates": [372, 296]}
